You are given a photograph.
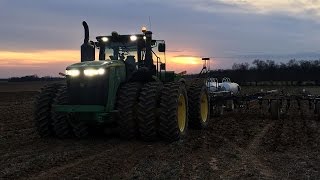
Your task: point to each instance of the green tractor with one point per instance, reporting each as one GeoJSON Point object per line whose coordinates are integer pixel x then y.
{"type": "Point", "coordinates": [125, 90]}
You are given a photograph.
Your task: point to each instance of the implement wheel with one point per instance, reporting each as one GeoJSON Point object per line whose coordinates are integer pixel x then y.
{"type": "Point", "coordinates": [275, 109]}
{"type": "Point", "coordinates": [127, 101]}
{"type": "Point", "coordinates": [199, 107]}
{"type": "Point", "coordinates": [147, 110]}
{"type": "Point", "coordinates": [318, 110]}
{"type": "Point", "coordinates": [230, 105]}
{"type": "Point", "coordinates": [173, 111]}
{"type": "Point", "coordinates": [42, 113]}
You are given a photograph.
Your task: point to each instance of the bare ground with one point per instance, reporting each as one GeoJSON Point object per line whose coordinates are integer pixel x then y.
{"type": "Point", "coordinates": [240, 145]}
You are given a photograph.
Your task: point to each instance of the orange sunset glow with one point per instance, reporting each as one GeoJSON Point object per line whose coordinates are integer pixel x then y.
{"type": "Point", "coordinates": [51, 62]}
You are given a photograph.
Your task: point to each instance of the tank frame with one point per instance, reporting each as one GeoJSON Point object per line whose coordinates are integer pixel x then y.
{"type": "Point", "coordinates": [278, 102]}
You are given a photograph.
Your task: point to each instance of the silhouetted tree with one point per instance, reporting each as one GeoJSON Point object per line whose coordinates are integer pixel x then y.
{"type": "Point", "coordinates": [269, 70]}
{"type": "Point", "coordinates": [240, 66]}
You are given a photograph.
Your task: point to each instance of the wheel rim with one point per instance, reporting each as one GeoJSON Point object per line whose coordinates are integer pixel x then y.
{"type": "Point", "coordinates": [204, 108]}
{"type": "Point", "coordinates": [182, 113]}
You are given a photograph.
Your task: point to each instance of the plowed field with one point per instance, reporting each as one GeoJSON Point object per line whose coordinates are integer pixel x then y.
{"type": "Point", "coordinates": [244, 144]}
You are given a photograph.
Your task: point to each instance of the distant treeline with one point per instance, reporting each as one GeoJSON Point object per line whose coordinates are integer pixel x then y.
{"type": "Point", "coordinates": [33, 78]}
{"type": "Point", "coordinates": [292, 72]}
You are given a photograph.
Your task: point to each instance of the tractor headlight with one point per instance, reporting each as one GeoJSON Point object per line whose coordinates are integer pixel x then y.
{"type": "Point", "coordinates": [104, 39]}
{"type": "Point", "coordinates": [73, 72]}
{"type": "Point", "coordinates": [133, 38]}
{"type": "Point", "coordinates": [93, 72]}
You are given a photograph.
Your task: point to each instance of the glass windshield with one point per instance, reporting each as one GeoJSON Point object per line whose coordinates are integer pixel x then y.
{"type": "Point", "coordinates": [120, 52]}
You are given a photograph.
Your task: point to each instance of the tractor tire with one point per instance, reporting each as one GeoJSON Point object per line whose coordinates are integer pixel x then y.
{"type": "Point", "coordinates": [79, 128]}
{"type": "Point", "coordinates": [147, 110]}
{"type": "Point", "coordinates": [42, 113]}
{"type": "Point", "coordinates": [275, 109]}
{"type": "Point", "coordinates": [318, 110]}
{"type": "Point", "coordinates": [230, 105]}
{"type": "Point", "coordinates": [173, 112]}
{"type": "Point", "coordinates": [127, 100]}
{"type": "Point", "coordinates": [60, 120]}
{"type": "Point", "coordinates": [218, 110]}
{"type": "Point", "coordinates": [199, 107]}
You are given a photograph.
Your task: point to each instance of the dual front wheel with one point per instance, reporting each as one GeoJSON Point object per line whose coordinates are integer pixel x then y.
{"type": "Point", "coordinates": [50, 123]}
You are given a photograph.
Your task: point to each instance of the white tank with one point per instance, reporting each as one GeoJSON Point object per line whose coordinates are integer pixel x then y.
{"type": "Point", "coordinates": [230, 86]}
{"type": "Point", "coordinates": [213, 86]}
{"type": "Point", "coordinates": [226, 85]}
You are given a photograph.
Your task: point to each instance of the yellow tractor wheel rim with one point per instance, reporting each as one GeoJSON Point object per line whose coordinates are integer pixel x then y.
{"type": "Point", "coordinates": [204, 108]}
{"type": "Point", "coordinates": [182, 113]}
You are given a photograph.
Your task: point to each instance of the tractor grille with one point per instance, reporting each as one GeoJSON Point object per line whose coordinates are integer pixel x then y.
{"type": "Point", "coordinates": [87, 91]}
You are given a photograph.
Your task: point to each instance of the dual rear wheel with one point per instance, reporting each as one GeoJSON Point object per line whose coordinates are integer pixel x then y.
{"type": "Point", "coordinates": [173, 119]}
{"type": "Point", "coordinates": [156, 110]}
{"type": "Point", "coordinates": [199, 107]}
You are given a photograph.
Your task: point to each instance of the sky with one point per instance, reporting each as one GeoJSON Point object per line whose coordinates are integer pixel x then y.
{"type": "Point", "coordinates": [43, 37]}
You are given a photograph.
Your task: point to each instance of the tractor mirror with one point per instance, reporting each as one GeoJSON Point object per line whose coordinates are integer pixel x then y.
{"type": "Point", "coordinates": [162, 66]}
{"type": "Point", "coordinates": [153, 42]}
{"type": "Point", "coordinates": [162, 47]}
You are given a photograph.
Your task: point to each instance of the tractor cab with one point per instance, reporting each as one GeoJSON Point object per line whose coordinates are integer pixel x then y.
{"type": "Point", "coordinates": [135, 50]}
{"type": "Point", "coordinates": [117, 47]}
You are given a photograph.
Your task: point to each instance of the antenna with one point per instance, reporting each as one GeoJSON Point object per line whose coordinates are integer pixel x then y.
{"type": "Point", "coordinates": [150, 23]}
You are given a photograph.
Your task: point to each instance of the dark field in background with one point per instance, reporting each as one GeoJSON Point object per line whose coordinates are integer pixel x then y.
{"type": "Point", "coordinates": [242, 144]}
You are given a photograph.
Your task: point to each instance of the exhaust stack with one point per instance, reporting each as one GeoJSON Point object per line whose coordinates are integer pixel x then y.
{"type": "Point", "coordinates": [87, 49]}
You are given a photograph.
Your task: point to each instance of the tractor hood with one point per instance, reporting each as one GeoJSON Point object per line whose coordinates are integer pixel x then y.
{"type": "Point", "coordinates": [96, 64]}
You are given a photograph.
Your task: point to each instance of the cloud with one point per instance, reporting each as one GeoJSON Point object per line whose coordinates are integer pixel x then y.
{"type": "Point", "coordinates": [189, 60]}
{"type": "Point", "coordinates": [206, 27]}
{"type": "Point", "coordinates": [38, 62]}
{"type": "Point", "coordinates": [185, 55]}
{"type": "Point", "coordinates": [38, 30]}
{"type": "Point", "coordinates": [39, 57]}
{"type": "Point", "coordinates": [295, 7]}
{"type": "Point", "coordinates": [308, 9]}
